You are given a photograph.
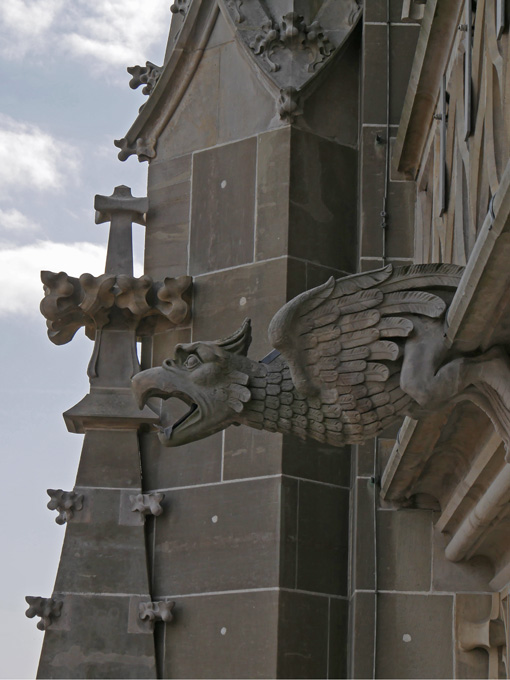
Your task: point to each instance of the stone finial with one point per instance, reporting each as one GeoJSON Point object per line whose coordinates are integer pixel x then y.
{"type": "Point", "coordinates": [121, 201]}
{"type": "Point", "coordinates": [147, 503]}
{"type": "Point", "coordinates": [65, 502]}
{"type": "Point", "coordinates": [121, 209]}
{"type": "Point", "coordinates": [288, 104]}
{"type": "Point", "coordinates": [46, 607]}
{"type": "Point", "coordinates": [156, 611]}
{"type": "Point", "coordinates": [147, 75]}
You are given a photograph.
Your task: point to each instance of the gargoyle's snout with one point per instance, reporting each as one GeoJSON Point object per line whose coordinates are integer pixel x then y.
{"type": "Point", "coordinates": [149, 384]}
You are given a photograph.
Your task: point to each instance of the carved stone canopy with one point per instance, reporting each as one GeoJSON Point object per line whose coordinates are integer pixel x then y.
{"type": "Point", "coordinates": [287, 42]}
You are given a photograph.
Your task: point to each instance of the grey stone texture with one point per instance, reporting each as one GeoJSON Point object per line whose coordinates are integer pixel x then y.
{"type": "Point", "coordinates": [406, 624]}
{"type": "Point", "coordinates": [223, 207]}
{"type": "Point", "coordinates": [229, 202]}
{"type": "Point", "coordinates": [266, 543]}
{"type": "Point", "coordinates": [96, 643]}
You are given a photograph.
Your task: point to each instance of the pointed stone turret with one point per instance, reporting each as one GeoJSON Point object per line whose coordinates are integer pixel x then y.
{"type": "Point", "coordinates": [102, 577]}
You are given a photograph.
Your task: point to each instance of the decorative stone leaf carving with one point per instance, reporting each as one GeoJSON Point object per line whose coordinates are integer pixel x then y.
{"type": "Point", "coordinates": [147, 503]}
{"type": "Point", "coordinates": [65, 502]}
{"type": "Point", "coordinates": [147, 75]}
{"type": "Point", "coordinates": [235, 8]}
{"type": "Point", "coordinates": [90, 301]}
{"type": "Point", "coordinates": [144, 148]}
{"type": "Point", "coordinates": [288, 102]}
{"type": "Point", "coordinates": [156, 611]}
{"type": "Point", "coordinates": [291, 47]}
{"type": "Point", "coordinates": [292, 33]}
{"type": "Point", "coordinates": [180, 7]}
{"type": "Point", "coordinates": [46, 607]}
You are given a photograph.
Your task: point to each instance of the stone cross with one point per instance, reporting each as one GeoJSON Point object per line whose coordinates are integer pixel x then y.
{"type": "Point", "coordinates": [121, 209]}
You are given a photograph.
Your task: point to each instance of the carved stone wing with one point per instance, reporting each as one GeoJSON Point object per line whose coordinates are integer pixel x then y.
{"type": "Point", "coordinates": [344, 340]}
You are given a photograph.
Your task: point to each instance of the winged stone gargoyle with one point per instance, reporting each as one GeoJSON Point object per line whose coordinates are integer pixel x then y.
{"type": "Point", "coordinates": [354, 355]}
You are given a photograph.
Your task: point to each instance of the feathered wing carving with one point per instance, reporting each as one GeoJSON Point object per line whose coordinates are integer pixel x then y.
{"type": "Point", "coordinates": [344, 340]}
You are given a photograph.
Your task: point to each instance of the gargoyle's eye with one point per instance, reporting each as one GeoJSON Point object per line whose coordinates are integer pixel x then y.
{"type": "Point", "coordinates": [192, 361]}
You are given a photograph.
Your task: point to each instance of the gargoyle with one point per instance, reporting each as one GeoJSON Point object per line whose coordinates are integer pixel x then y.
{"type": "Point", "coordinates": [354, 355]}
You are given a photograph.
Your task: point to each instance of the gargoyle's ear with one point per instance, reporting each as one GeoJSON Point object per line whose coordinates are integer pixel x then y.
{"type": "Point", "coordinates": [238, 342]}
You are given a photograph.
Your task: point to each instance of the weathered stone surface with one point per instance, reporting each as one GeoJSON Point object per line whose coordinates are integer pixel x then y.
{"type": "Point", "coordinates": [316, 461]}
{"type": "Point", "coordinates": [251, 453]}
{"type": "Point", "coordinates": [472, 575]}
{"type": "Point", "coordinates": [400, 202]}
{"type": "Point", "coordinates": [362, 631]}
{"type": "Point", "coordinates": [273, 177]}
{"type": "Point", "coordinates": [111, 457]}
{"type": "Point", "coordinates": [223, 636]}
{"type": "Point", "coordinates": [194, 126]}
{"type": "Point", "coordinates": [195, 463]}
{"type": "Point", "coordinates": [303, 636]}
{"type": "Point", "coordinates": [259, 292]}
{"type": "Point", "coordinates": [403, 41]}
{"type": "Point", "coordinates": [246, 106]}
{"type": "Point", "coordinates": [406, 624]}
{"type": "Point", "coordinates": [323, 515]}
{"type": "Point", "coordinates": [223, 207]}
{"type": "Point", "coordinates": [363, 558]}
{"type": "Point", "coordinates": [332, 109]}
{"type": "Point", "coordinates": [289, 532]}
{"type": "Point", "coordinates": [236, 535]}
{"type": "Point", "coordinates": [365, 455]}
{"type": "Point", "coordinates": [166, 249]}
{"type": "Point", "coordinates": [101, 555]}
{"type": "Point", "coordinates": [80, 651]}
{"type": "Point", "coordinates": [338, 638]}
{"type": "Point", "coordinates": [323, 175]}
{"type": "Point", "coordinates": [376, 10]}
{"type": "Point", "coordinates": [404, 545]}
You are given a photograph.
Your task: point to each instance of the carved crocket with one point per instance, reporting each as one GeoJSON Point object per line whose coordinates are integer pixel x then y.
{"type": "Point", "coordinates": [354, 355]}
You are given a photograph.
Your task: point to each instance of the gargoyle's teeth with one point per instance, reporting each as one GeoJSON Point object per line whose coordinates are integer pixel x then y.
{"type": "Point", "coordinates": [184, 417]}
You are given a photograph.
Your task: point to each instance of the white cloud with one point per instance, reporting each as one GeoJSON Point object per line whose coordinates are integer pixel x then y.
{"type": "Point", "coordinates": [20, 268]}
{"type": "Point", "coordinates": [24, 24]}
{"type": "Point", "coordinates": [20, 271]}
{"type": "Point", "coordinates": [111, 32]}
{"type": "Point", "coordinates": [14, 220]}
{"type": "Point", "coordinates": [31, 158]}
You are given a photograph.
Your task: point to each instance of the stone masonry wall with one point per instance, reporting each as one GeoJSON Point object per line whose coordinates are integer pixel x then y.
{"type": "Point", "coordinates": [253, 543]}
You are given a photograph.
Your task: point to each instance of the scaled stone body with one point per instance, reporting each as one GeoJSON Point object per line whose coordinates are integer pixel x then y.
{"type": "Point", "coordinates": [357, 354]}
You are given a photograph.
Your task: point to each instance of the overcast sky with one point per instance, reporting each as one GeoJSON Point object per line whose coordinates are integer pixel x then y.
{"type": "Point", "coordinates": [65, 97]}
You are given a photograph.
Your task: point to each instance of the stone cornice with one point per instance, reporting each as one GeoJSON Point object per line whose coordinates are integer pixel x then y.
{"type": "Point", "coordinates": [467, 476]}
{"type": "Point", "coordinates": [440, 21]}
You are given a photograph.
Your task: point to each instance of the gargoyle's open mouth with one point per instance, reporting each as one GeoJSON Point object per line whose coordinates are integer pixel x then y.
{"type": "Point", "coordinates": [184, 417]}
{"type": "Point", "coordinates": [171, 418]}
{"type": "Point", "coordinates": [178, 409]}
